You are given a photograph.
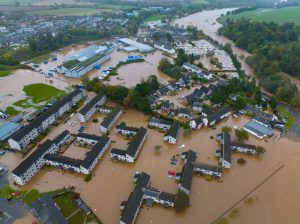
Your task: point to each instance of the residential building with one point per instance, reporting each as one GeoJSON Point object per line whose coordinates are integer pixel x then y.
{"type": "Point", "coordinates": [133, 149]}
{"type": "Point", "coordinates": [207, 170]}
{"type": "Point", "coordinates": [167, 48]}
{"type": "Point", "coordinates": [141, 192]}
{"type": "Point", "coordinates": [47, 211]}
{"type": "Point", "coordinates": [217, 116]}
{"type": "Point", "coordinates": [159, 123]}
{"type": "Point", "coordinates": [224, 153]}
{"type": "Point", "coordinates": [196, 123]}
{"type": "Point", "coordinates": [186, 175]}
{"type": "Point", "coordinates": [25, 135]}
{"type": "Point", "coordinates": [126, 131]}
{"type": "Point", "coordinates": [184, 113]}
{"type": "Point", "coordinates": [197, 106]}
{"type": "Point", "coordinates": [197, 71]}
{"type": "Point", "coordinates": [91, 107]}
{"type": "Point", "coordinates": [173, 134]}
{"type": "Point", "coordinates": [35, 161]}
{"type": "Point", "coordinates": [110, 120]}
{"type": "Point", "coordinates": [166, 106]}
{"type": "Point", "coordinates": [243, 148]}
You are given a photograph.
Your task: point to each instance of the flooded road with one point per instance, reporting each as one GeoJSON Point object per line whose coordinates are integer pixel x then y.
{"type": "Point", "coordinates": [112, 181]}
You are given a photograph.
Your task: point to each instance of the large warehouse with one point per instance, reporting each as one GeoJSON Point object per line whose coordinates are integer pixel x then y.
{"type": "Point", "coordinates": [133, 45]}
{"type": "Point", "coordinates": [80, 64]}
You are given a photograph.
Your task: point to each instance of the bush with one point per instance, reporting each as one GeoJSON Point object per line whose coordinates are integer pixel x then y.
{"type": "Point", "coordinates": [226, 129]}
{"type": "Point", "coordinates": [182, 201]}
{"type": "Point", "coordinates": [88, 177]}
{"type": "Point", "coordinates": [260, 150]}
{"type": "Point", "coordinates": [241, 134]}
{"type": "Point", "coordinates": [241, 161]}
{"type": "Point", "coordinates": [95, 120]}
{"type": "Point", "coordinates": [123, 123]}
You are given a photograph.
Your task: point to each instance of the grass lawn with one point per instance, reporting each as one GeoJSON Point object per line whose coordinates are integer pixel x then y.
{"type": "Point", "coordinates": [12, 111]}
{"type": "Point", "coordinates": [285, 114]}
{"type": "Point", "coordinates": [154, 18]}
{"type": "Point", "coordinates": [41, 92]}
{"type": "Point", "coordinates": [31, 196]}
{"type": "Point", "coordinates": [77, 218]}
{"type": "Point", "coordinates": [23, 103]}
{"type": "Point", "coordinates": [4, 73]}
{"type": "Point", "coordinates": [7, 190]}
{"type": "Point", "coordinates": [66, 204]}
{"type": "Point", "coordinates": [41, 58]}
{"type": "Point", "coordinates": [280, 16]}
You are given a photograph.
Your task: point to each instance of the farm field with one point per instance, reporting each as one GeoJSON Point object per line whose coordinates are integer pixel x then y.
{"type": "Point", "coordinates": [154, 18]}
{"type": "Point", "coordinates": [280, 16]}
{"type": "Point", "coordinates": [72, 11]}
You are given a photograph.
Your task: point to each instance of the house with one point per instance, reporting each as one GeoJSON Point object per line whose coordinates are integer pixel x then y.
{"type": "Point", "coordinates": [125, 130]}
{"type": "Point", "coordinates": [243, 148]}
{"type": "Point", "coordinates": [153, 100]}
{"type": "Point", "coordinates": [26, 134]}
{"type": "Point", "coordinates": [84, 139]}
{"type": "Point", "coordinates": [217, 116]}
{"type": "Point", "coordinates": [197, 106]}
{"type": "Point", "coordinates": [224, 153]}
{"type": "Point", "coordinates": [163, 91]}
{"type": "Point", "coordinates": [110, 120]}
{"type": "Point", "coordinates": [207, 170]}
{"type": "Point", "coordinates": [262, 121]}
{"type": "Point", "coordinates": [201, 73]}
{"type": "Point", "coordinates": [258, 112]}
{"type": "Point", "coordinates": [133, 149]}
{"type": "Point", "coordinates": [47, 211]}
{"type": "Point", "coordinates": [91, 107]}
{"type": "Point", "coordinates": [186, 175]}
{"type": "Point", "coordinates": [196, 123]}
{"type": "Point", "coordinates": [172, 136]}
{"type": "Point", "coordinates": [159, 123]}
{"type": "Point", "coordinates": [166, 106]}
{"type": "Point", "coordinates": [184, 113]}
{"type": "Point", "coordinates": [206, 111]}
{"type": "Point", "coordinates": [167, 48]}
{"type": "Point", "coordinates": [143, 192]}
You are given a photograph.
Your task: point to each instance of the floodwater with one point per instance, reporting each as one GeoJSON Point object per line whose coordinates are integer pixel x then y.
{"type": "Point", "coordinates": [207, 22]}
{"type": "Point", "coordinates": [11, 87]}
{"type": "Point", "coordinates": [112, 181]}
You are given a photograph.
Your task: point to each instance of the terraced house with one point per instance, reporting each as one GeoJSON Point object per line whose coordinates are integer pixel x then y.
{"type": "Point", "coordinates": [25, 135]}
{"type": "Point", "coordinates": [91, 107]}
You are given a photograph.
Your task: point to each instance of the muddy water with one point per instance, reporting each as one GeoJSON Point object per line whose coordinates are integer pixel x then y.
{"type": "Point", "coordinates": [207, 22]}
{"type": "Point", "coordinates": [112, 181]}
{"type": "Point", "coordinates": [11, 87]}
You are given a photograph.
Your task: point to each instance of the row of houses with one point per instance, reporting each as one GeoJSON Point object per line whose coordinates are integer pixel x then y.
{"type": "Point", "coordinates": [143, 192]}
{"type": "Point", "coordinates": [98, 145]}
{"type": "Point", "coordinates": [211, 119]}
{"type": "Point", "coordinates": [195, 70]}
{"type": "Point", "coordinates": [191, 167]}
{"type": "Point", "coordinates": [46, 154]}
{"type": "Point", "coordinates": [134, 147]}
{"type": "Point", "coordinates": [35, 161]}
{"type": "Point", "coordinates": [96, 105]}
{"type": "Point", "coordinates": [199, 94]}
{"type": "Point", "coordinates": [227, 147]}
{"type": "Point", "coordinates": [28, 133]}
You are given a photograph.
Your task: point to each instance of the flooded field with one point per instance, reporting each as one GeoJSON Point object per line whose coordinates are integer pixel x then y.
{"type": "Point", "coordinates": [112, 181]}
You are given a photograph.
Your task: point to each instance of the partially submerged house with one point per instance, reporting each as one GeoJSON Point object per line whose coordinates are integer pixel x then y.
{"type": "Point", "coordinates": [217, 116]}
{"type": "Point", "coordinates": [173, 134]}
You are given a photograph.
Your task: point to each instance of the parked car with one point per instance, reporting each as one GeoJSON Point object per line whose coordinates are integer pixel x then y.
{"type": "Point", "coordinates": [2, 152]}
{"type": "Point", "coordinates": [82, 128]}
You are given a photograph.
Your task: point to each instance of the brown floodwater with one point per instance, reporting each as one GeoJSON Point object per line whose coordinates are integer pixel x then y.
{"type": "Point", "coordinates": [112, 181]}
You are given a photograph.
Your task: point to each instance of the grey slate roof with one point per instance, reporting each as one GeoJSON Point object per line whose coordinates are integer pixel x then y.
{"type": "Point", "coordinates": [47, 211]}
{"type": "Point", "coordinates": [136, 142]}
{"type": "Point", "coordinates": [110, 117]}
{"type": "Point", "coordinates": [88, 136]}
{"type": "Point", "coordinates": [174, 130]}
{"type": "Point", "coordinates": [217, 115]}
{"type": "Point", "coordinates": [188, 169]}
{"type": "Point", "coordinates": [38, 121]}
{"type": "Point", "coordinates": [63, 159]}
{"type": "Point", "coordinates": [91, 104]}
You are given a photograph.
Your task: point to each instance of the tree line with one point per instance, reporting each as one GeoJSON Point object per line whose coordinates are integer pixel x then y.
{"type": "Point", "coordinates": [275, 50]}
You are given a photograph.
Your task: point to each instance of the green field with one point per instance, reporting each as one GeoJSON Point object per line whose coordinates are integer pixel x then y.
{"type": "Point", "coordinates": [154, 18]}
{"type": "Point", "coordinates": [11, 111]}
{"type": "Point", "coordinates": [41, 92]}
{"type": "Point", "coordinates": [72, 11]}
{"type": "Point", "coordinates": [280, 16]}
{"type": "Point", "coordinates": [4, 73]}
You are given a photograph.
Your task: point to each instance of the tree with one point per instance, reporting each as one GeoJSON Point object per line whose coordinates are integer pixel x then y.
{"type": "Point", "coordinates": [260, 150]}
{"type": "Point", "coordinates": [181, 58]}
{"type": "Point", "coordinates": [164, 64]}
{"type": "Point", "coordinates": [123, 123]}
{"type": "Point", "coordinates": [226, 129]}
{"type": "Point", "coordinates": [241, 161]}
{"type": "Point", "coordinates": [241, 134]}
{"type": "Point", "coordinates": [182, 201]}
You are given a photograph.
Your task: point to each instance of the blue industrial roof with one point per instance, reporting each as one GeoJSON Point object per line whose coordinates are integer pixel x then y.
{"type": "Point", "coordinates": [261, 130]}
{"type": "Point", "coordinates": [8, 129]}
